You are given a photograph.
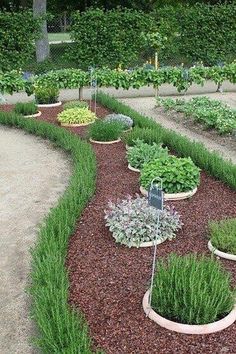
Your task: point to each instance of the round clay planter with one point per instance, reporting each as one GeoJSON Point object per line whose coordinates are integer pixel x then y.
{"type": "Point", "coordinates": [229, 256]}
{"type": "Point", "coordinates": [74, 125]}
{"type": "Point", "coordinates": [133, 169]}
{"type": "Point", "coordinates": [151, 243]}
{"type": "Point", "coordinates": [104, 142]}
{"type": "Point", "coordinates": [38, 114]}
{"type": "Point", "coordinates": [57, 104]}
{"type": "Point", "coordinates": [172, 196]}
{"type": "Point", "coordinates": [186, 328]}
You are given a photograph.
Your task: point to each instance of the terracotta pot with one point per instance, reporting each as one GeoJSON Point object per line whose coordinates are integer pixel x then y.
{"type": "Point", "coordinates": [173, 196]}
{"type": "Point", "coordinates": [48, 105]}
{"type": "Point", "coordinates": [104, 142]}
{"type": "Point", "coordinates": [186, 328]}
{"type": "Point", "coordinates": [231, 257]}
{"type": "Point", "coordinates": [133, 169]}
{"type": "Point", "coordinates": [38, 114]}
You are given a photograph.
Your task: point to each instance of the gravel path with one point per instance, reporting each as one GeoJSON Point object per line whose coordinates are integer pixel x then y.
{"type": "Point", "coordinates": [33, 175]}
{"type": "Point", "coordinates": [146, 106]}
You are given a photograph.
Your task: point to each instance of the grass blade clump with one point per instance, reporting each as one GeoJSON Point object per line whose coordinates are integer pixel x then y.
{"type": "Point", "coordinates": [192, 289]}
{"type": "Point", "coordinates": [105, 131]}
{"type": "Point", "coordinates": [223, 235]}
{"type": "Point", "coordinates": [25, 109]}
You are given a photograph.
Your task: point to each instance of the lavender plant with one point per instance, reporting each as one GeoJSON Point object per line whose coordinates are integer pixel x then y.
{"type": "Point", "coordinates": [126, 121]}
{"type": "Point", "coordinates": [132, 221]}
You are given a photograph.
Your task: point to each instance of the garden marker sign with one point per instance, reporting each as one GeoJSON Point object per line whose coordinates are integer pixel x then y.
{"type": "Point", "coordinates": [156, 200]}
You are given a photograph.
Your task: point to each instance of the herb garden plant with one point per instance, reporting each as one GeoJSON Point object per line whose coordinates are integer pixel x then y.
{"type": "Point", "coordinates": [223, 235]}
{"type": "Point", "coordinates": [133, 222]}
{"type": "Point", "coordinates": [126, 121]}
{"type": "Point", "coordinates": [177, 174]}
{"type": "Point", "coordinates": [78, 116]}
{"type": "Point", "coordinates": [26, 109]}
{"type": "Point", "coordinates": [103, 131]}
{"type": "Point", "coordinates": [192, 290]}
{"type": "Point", "coordinates": [75, 104]}
{"type": "Point", "coordinates": [46, 94]}
{"type": "Point", "coordinates": [142, 153]}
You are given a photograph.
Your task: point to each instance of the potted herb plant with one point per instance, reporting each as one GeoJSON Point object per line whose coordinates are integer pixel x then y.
{"type": "Point", "coordinates": [134, 223]}
{"type": "Point", "coordinates": [180, 177]}
{"type": "Point", "coordinates": [124, 120]}
{"type": "Point", "coordinates": [191, 294]}
{"type": "Point", "coordinates": [75, 104]}
{"type": "Point", "coordinates": [223, 238]}
{"type": "Point", "coordinates": [28, 109]}
{"type": "Point", "coordinates": [47, 96]}
{"type": "Point", "coordinates": [102, 132]}
{"type": "Point", "coordinates": [142, 153]}
{"type": "Point", "coordinates": [76, 117]}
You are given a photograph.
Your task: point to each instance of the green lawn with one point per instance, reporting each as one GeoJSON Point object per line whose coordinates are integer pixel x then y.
{"type": "Point", "coordinates": [58, 36]}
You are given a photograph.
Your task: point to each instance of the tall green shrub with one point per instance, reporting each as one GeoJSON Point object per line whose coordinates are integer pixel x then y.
{"type": "Point", "coordinates": [208, 32]}
{"type": "Point", "coordinates": [108, 38]}
{"type": "Point", "coordinates": [18, 31]}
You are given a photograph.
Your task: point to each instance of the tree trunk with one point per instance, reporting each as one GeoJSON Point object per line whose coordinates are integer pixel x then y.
{"type": "Point", "coordinates": [42, 44]}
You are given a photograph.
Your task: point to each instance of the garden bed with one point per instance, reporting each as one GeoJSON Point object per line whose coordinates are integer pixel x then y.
{"type": "Point", "coordinates": [108, 281]}
{"type": "Point", "coordinates": [189, 123]}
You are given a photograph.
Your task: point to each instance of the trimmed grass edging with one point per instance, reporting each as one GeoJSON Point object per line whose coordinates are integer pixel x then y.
{"type": "Point", "coordinates": [211, 162]}
{"type": "Point", "coordinates": [60, 328]}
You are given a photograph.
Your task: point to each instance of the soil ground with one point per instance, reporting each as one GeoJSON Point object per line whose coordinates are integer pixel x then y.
{"type": "Point", "coordinates": [33, 175]}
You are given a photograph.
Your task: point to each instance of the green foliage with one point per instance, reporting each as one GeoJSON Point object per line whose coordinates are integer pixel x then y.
{"type": "Point", "coordinates": [142, 153]}
{"type": "Point", "coordinates": [105, 131]}
{"type": "Point", "coordinates": [133, 221]}
{"type": "Point", "coordinates": [192, 289]}
{"type": "Point", "coordinates": [208, 33]}
{"type": "Point", "coordinates": [108, 38]}
{"type": "Point", "coordinates": [18, 30]}
{"type": "Point", "coordinates": [223, 235]}
{"type": "Point", "coordinates": [26, 109]}
{"type": "Point", "coordinates": [46, 94]}
{"type": "Point", "coordinates": [60, 328]}
{"type": "Point", "coordinates": [197, 33]}
{"type": "Point", "coordinates": [147, 135]}
{"type": "Point", "coordinates": [76, 116]}
{"type": "Point", "coordinates": [74, 78]}
{"type": "Point", "coordinates": [177, 174]}
{"type": "Point", "coordinates": [212, 114]}
{"type": "Point", "coordinates": [211, 162]}
{"type": "Point", "coordinates": [126, 121]}
{"type": "Point", "coordinates": [75, 104]}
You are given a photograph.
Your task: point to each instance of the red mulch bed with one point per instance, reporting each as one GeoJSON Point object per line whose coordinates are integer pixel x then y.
{"type": "Point", "coordinates": [108, 281]}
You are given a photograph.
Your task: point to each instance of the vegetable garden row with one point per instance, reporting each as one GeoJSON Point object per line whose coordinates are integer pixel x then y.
{"type": "Point", "coordinates": [108, 280]}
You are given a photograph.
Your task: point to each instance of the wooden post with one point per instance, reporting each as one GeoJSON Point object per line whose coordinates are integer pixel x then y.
{"type": "Point", "coordinates": [81, 93]}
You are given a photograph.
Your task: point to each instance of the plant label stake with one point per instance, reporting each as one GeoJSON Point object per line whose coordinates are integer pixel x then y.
{"type": "Point", "coordinates": [156, 200]}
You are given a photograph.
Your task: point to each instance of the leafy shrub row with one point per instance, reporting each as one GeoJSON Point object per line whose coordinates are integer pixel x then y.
{"type": "Point", "coordinates": [209, 161]}
{"type": "Point", "coordinates": [211, 113]}
{"type": "Point", "coordinates": [61, 329]}
{"type": "Point", "coordinates": [73, 78]}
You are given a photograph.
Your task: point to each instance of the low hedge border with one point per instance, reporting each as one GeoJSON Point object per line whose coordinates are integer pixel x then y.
{"type": "Point", "coordinates": [209, 161]}
{"type": "Point", "coordinates": [61, 329]}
